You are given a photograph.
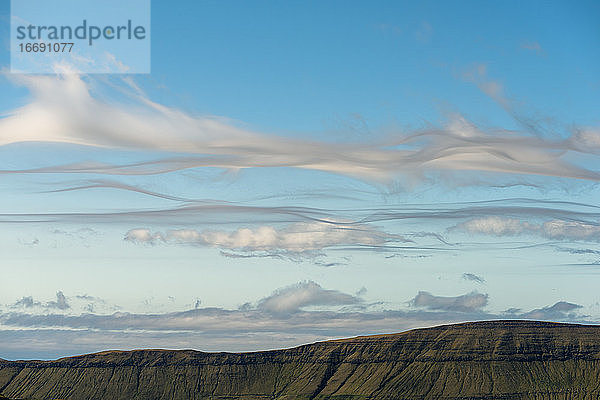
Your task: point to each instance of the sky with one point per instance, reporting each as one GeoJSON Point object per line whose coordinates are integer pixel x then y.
{"type": "Point", "coordinates": [291, 172]}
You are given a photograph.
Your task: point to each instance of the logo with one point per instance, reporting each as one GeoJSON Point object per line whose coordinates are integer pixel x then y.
{"type": "Point", "coordinates": [83, 36]}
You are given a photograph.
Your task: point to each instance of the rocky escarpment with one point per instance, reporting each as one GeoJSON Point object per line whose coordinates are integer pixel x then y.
{"type": "Point", "coordinates": [481, 360]}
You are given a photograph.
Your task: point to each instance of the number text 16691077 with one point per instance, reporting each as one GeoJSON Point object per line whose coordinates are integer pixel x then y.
{"type": "Point", "coordinates": [46, 47]}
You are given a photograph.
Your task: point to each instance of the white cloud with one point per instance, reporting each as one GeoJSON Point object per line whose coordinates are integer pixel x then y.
{"type": "Point", "coordinates": [295, 238]}
{"type": "Point", "coordinates": [64, 109]}
{"type": "Point", "coordinates": [27, 302]}
{"type": "Point", "coordinates": [142, 235]}
{"type": "Point", "coordinates": [553, 229]}
{"type": "Point", "coordinates": [560, 311]}
{"type": "Point", "coordinates": [498, 226]}
{"type": "Point", "coordinates": [60, 303]}
{"type": "Point", "coordinates": [465, 303]}
{"type": "Point", "coordinates": [304, 294]}
{"type": "Point", "coordinates": [571, 230]}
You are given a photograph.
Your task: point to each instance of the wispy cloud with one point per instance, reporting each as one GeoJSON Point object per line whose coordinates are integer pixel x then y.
{"type": "Point", "coordinates": [473, 278]}
{"type": "Point", "coordinates": [424, 32]}
{"type": "Point", "coordinates": [300, 233]}
{"type": "Point", "coordinates": [532, 46]}
{"type": "Point", "coordinates": [64, 109]}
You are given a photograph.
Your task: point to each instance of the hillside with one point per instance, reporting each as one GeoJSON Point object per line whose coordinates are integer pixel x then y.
{"type": "Point", "coordinates": [480, 360]}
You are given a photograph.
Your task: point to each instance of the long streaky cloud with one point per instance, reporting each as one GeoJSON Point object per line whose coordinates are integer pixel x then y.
{"type": "Point", "coordinates": [63, 109]}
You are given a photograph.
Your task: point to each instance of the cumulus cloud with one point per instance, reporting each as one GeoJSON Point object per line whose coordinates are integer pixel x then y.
{"type": "Point", "coordinates": [560, 311]}
{"type": "Point", "coordinates": [27, 302]}
{"type": "Point", "coordinates": [295, 238]}
{"type": "Point", "coordinates": [469, 302]}
{"type": "Point", "coordinates": [553, 229]}
{"type": "Point", "coordinates": [304, 294]}
{"type": "Point", "coordinates": [63, 304]}
{"type": "Point", "coordinates": [64, 109]}
{"type": "Point", "coordinates": [60, 303]}
{"type": "Point", "coordinates": [143, 235]}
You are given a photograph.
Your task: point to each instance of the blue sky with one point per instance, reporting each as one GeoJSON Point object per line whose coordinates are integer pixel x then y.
{"type": "Point", "coordinates": [292, 172]}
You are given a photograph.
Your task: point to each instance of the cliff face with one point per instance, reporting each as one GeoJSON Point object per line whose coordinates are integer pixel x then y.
{"type": "Point", "coordinates": [482, 360]}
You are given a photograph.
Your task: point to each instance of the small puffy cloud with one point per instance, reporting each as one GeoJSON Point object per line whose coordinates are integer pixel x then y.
{"type": "Point", "coordinates": [60, 303]}
{"type": "Point", "coordinates": [498, 226]}
{"type": "Point", "coordinates": [467, 276]}
{"type": "Point", "coordinates": [469, 302]}
{"type": "Point", "coordinates": [295, 238]}
{"type": "Point", "coordinates": [559, 311]}
{"type": "Point", "coordinates": [553, 229]}
{"type": "Point", "coordinates": [304, 294]}
{"type": "Point", "coordinates": [27, 302]}
{"type": "Point", "coordinates": [573, 230]}
{"type": "Point", "coordinates": [142, 235]}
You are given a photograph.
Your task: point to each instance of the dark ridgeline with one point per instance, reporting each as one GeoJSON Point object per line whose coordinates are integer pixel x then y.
{"type": "Point", "coordinates": [479, 360]}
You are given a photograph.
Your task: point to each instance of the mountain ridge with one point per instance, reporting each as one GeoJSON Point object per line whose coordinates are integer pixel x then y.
{"type": "Point", "coordinates": [473, 360]}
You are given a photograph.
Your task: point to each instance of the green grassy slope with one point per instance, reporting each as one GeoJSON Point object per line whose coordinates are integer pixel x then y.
{"type": "Point", "coordinates": [482, 360]}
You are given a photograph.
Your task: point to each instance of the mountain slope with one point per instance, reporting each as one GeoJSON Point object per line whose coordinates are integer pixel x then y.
{"type": "Point", "coordinates": [481, 360]}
